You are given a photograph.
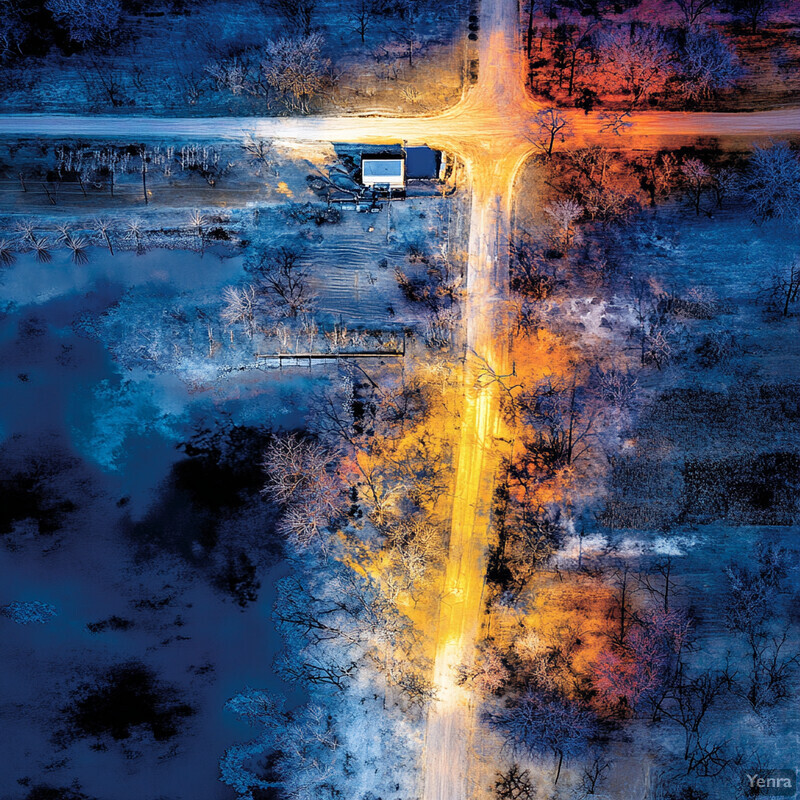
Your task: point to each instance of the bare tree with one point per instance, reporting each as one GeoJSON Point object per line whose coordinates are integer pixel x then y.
{"type": "Point", "coordinates": [556, 420]}
{"type": "Point", "coordinates": [772, 182]}
{"type": "Point", "coordinates": [528, 537]}
{"type": "Point", "coordinates": [26, 228]}
{"type": "Point", "coordinates": [134, 232]}
{"type": "Point", "coordinates": [144, 159]}
{"type": "Point", "coordinates": [636, 672]}
{"type": "Point", "coordinates": [617, 122]}
{"type": "Point", "coordinates": [198, 222]}
{"type": "Point", "coordinates": [103, 227]}
{"type": "Point", "coordinates": [240, 306]}
{"type": "Point", "coordinates": [487, 673]}
{"type": "Point", "coordinates": [592, 775]}
{"type": "Point", "coordinates": [691, 700]}
{"type": "Point", "coordinates": [725, 181]}
{"type": "Point", "coordinates": [514, 784]}
{"type": "Point", "coordinates": [236, 74]}
{"type": "Point", "coordinates": [86, 20]}
{"type": "Point", "coordinates": [542, 723]}
{"type": "Point", "coordinates": [304, 526]}
{"type": "Point", "coordinates": [282, 276]}
{"type": "Point", "coordinates": [659, 175]}
{"type": "Point", "coordinates": [302, 475]}
{"type": "Point", "coordinates": [593, 164]}
{"type": "Point", "coordinates": [417, 689]}
{"type": "Point", "coordinates": [78, 246]}
{"type": "Point", "coordinates": [529, 273]}
{"type": "Point", "coordinates": [640, 59]}
{"type": "Point", "coordinates": [771, 672]}
{"type": "Point", "coordinates": [361, 17]}
{"type": "Point", "coordinates": [783, 289]}
{"type": "Point", "coordinates": [7, 257]}
{"type": "Point", "coordinates": [697, 177]}
{"type": "Point", "coordinates": [659, 582]}
{"type": "Point", "coordinates": [416, 546]}
{"type": "Point", "coordinates": [754, 590]}
{"type": "Point", "coordinates": [692, 10]}
{"type": "Point", "coordinates": [753, 13]}
{"type": "Point", "coordinates": [294, 68]}
{"type": "Point", "coordinates": [302, 746]}
{"type": "Point", "coordinates": [565, 213]}
{"type": "Point", "coordinates": [707, 63]}
{"type": "Point", "coordinates": [64, 233]}
{"type": "Point", "coordinates": [296, 14]}
{"type": "Point", "coordinates": [260, 153]}
{"type": "Point", "coordinates": [41, 248]}
{"type": "Point", "coordinates": [551, 124]}
{"type": "Point", "coordinates": [617, 386]}
{"type": "Point", "coordinates": [622, 602]}
{"type": "Point", "coordinates": [318, 667]}
{"type": "Point", "coordinates": [293, 465]}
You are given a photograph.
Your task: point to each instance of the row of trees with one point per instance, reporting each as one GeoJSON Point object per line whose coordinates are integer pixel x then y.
{"type": "Point", "coordinates": [131, 235]}
{"type": "Point", "coordinates": [588, 58]}
{"type": "Point", "coordinates": [601, 185]}
{"type": "Point", "coordinates": [24, 25]}
{"type": "Point", "coordinates": [356, 494]}
{"type": "Point", "coordinates": [95, 169]}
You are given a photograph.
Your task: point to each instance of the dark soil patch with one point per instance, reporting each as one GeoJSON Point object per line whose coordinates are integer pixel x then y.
{"type": "Point", "coordinates": [127, 699]}
{"type": "Point", "coordinates": [33, 486]}
{"type": "Point", "coordinates": [221, 474]}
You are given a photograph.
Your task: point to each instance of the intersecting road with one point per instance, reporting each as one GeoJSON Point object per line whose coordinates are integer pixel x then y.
{"type": "Point", "coordinates": [491, 129]}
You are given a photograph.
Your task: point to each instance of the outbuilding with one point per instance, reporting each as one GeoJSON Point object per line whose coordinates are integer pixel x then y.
{"type": "Point", "coordinates": [383, 171]}
{"type": "Point", "coordinates": [422, 163]}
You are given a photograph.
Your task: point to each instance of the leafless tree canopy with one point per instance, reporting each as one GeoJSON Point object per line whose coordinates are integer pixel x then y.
{"type": "Point", "coordinates": [692, 10]}
{"type": "Point", "coordinates": [296, 14]}
{"type": "Point", "coordinates": [294, 69]}
{"type": "Point", "coordinates": [240, 304]}
{"type": "Point", "coordinates": [553, 126]}
{"type": "Point", "coordinates": [282, 276]}
{"type": "Point", "coordinates": [302, 476]}
{"type": "Point", "coordinates": [86, 20]}
{"type": "Point", "coordinates": [707, 63]}
{"type": "Point", "coordinates": [639, 60]}
{"type": "Point", "coordinates": [772, 183]}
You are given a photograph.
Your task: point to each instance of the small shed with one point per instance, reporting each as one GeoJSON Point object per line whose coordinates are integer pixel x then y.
{"type": "Point", "coordinates": [422, 163]}
{"type": "Point", "coordinates": [383, 171]}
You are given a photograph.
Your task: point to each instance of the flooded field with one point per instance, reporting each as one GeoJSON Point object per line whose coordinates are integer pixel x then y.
{"type": "Point", "coordinates": [100, 523]}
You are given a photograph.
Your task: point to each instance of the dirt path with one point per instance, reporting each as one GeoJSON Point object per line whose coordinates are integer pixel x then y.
{"type": "Point", "coordinates": [451, 719]}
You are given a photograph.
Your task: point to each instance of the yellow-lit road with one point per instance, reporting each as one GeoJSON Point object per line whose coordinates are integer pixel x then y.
{"type": "Point", "coordinates": [491, 129]}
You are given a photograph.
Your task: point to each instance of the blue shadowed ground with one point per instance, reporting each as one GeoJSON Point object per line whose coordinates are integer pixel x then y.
{"type": "Point", "coordinates": [129, 502]}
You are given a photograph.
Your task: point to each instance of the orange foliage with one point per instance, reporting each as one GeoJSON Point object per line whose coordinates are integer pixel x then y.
{"type": "Point", "coordinates": [541, 354]}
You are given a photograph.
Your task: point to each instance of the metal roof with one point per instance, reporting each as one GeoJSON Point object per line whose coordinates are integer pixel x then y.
{"type": "Point", "coordinates": [382, 167]}
{"type": "Point", "coordinates": [422, 162]}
